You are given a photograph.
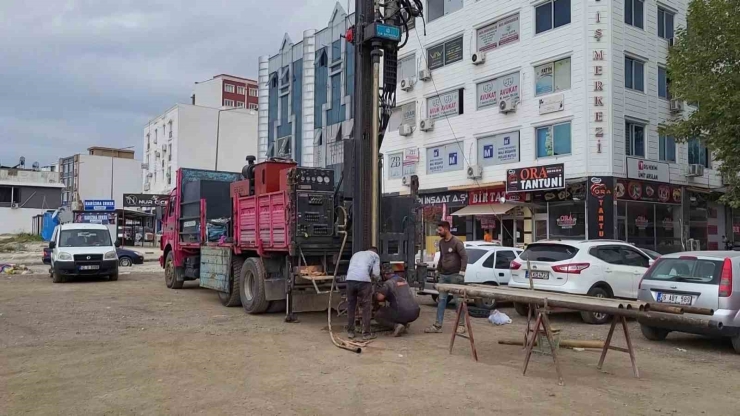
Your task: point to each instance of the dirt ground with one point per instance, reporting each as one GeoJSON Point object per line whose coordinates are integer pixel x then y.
{"type": "Point", "coordinates": [135, 347]}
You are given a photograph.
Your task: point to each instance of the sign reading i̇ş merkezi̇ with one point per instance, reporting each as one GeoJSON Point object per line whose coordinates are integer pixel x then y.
{"type": "Point", "coordinates": [535, 178]}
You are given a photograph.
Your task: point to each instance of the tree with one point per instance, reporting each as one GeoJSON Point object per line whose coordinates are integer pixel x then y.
{"type": "Point", "coordinates": [704, 68]}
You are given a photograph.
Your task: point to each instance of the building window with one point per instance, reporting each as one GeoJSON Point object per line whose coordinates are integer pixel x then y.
{"type": "Point", "coordinates": [665, 23]}
{"type": "Point", "coordinates": [634, 74]}
{"type": "Point", "coordinates": [169, 151]}
{"type": "Point", "coordinates": [253, 106]}
{"type": "Point", "coordinates": [228, 103]}
{"type": "Point", "coordinates": [698, 154]}
{"type": "Point", "coordinates": [228, 88]}
{"type": "Point", "coordinates": [439, 8]}
{"type": "Point", "coordinates": [147, 142]}
{"type": "Point", "coordinates": [664, 84]}
{"type": "Point", "coordinates": [320, 87]}
{"type": "Point", "coordinates": [551, 15]}
{"type": "Point", "coordinates": [239, 104]}
{"type": "Point", "coordinates": [448, 104]}
{"type": "Point", "coordinates": [667, 148]}
{"type": "Point", "coordinates": [240, 90]}
{"type": "Point", "coordinates": [634, 139]}
{"type": "Point", "coordinates": [253, 92]}
{"type": "Point", "coordinates": [170, 123]}
{"type": "Point", "coordinates": [336, 50]}
{"type": "Point", "coordinates": [445, 53]}
{"type": "Point", "coordinates": [335, 113]}
{"type": "Point", "coordinates": [169, 175]}
{"type": "Point", "coordinates": [633, 13]}
{"type": "Point", "coordinates": [553, 140]}
{"type": "Point", "coordinates": [406, 67]}
{"type": "Point", "coordinates": [552, 77]}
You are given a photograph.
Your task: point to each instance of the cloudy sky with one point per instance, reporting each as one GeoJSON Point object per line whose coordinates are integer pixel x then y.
{"type": "Point", "coordinates": [78, 73]}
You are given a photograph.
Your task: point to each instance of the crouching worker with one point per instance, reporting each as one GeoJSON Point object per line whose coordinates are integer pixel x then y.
{"type": "Point", "coordinates": [401, 309]}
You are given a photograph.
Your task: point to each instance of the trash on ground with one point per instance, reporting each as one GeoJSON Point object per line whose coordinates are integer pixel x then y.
{"type": "Point", "coordinates": [499, 318]}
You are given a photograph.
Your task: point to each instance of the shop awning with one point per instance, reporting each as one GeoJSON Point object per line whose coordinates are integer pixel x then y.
{"type": "Point", "coordinates": [485, 209]}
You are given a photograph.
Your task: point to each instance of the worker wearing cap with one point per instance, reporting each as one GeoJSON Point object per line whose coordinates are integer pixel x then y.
{"type": "Point", "coordinates": [401, 309]}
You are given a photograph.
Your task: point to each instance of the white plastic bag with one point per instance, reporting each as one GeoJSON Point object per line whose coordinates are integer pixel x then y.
{"type": "Point", "coordinates": [498, 318]}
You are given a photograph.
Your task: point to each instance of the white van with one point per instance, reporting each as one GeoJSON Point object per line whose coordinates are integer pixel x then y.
{"type": "Point", "coordinates": [82, 250]}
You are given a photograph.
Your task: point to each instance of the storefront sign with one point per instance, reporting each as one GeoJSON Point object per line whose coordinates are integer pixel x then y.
{"type": "Point", "coordinates": [446, 158]}
{"type": "Point", "coordinates": [641, 222]}
{"type": "Point", "coordinates": [99, 205]}
{"type": "Point", "coordinates": [571, 191]}
{"type": "Point", "coordinates": [144, 200]}
{"type": "Point", "coordinates": [95, 218]}
{"type": "Point", "coordinates": [491, 92]}
{"type": "Point", "coordinates": [498, 149]}
{"type": "Point", "coordinates": [566, 221]}
{"type": "Point", "coordinates": [411, 155]}
{"type": "Point", "coordinates": [668, 223]}
{"type": "Point", "coordinates": [600, 204]}
{"type": "Point", "coordinates": [456, 198]}
{"type": "Point", "coordinates": [498, 33]}
{"type": "Point", "coordinates": [395, 165]}
{"type": "Point", "coordinates": [648, 170]}
{"type": "Point", "coordinates": [536, 178]}
{"type": "Point", "coordinates": [487, 221]}
{"type": "Point", "coordinates": [633, 190]}
{"type": "Point", "coordinates": [552, 104]}
{"type": "Point", "coordinates": [487, 196]}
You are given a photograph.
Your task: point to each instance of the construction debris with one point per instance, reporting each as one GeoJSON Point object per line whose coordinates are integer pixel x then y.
{"type": "Point", "coordinates": [8, 268]}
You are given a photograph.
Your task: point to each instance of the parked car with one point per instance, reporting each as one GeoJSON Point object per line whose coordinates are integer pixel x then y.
{"type": "Point", "coordinates": [469, 244]}
{"type": "Point", "coordinates": [82, 250]}
{"type": "Point", "coordinates": [126, 257]}
{"type": "Point", "coordinates": [703, 279]}
{"type": "Point", "coordinates": [490, 265]}
{"type": "Point", "coordinates": [600, 268]}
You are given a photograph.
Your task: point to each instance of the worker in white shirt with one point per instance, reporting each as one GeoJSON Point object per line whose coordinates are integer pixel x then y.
{"type": "Point", "coordinates": [364, 267]}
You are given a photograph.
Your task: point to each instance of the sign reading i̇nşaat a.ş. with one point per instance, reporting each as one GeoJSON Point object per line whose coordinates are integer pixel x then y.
{"type": "Point", "coordinates": [536, 178]}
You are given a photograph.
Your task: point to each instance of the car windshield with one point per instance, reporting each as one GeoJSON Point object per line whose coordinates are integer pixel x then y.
{"type": "Point", "coordinates": [686, 270]}
{"type": "Point", "coordinates": [548, 252]}
{"type": "Point", "coordinates": [84, 238]}
{"type": "Point", "coordinates": [474, 254]}
{"type": "Point", "coordinates": [652, 254]}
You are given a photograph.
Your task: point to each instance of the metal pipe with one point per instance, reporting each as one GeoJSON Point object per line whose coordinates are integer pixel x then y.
{"type": "Point", "coordinates": [375, 204]}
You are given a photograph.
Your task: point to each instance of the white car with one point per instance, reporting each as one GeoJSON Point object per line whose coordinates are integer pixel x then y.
{"type": "Point", "coordinates": [82, 250]}
{"type": "Point", "coordinates": [600, 268]}
{"type": "Point", "coordinates": [469, 244]}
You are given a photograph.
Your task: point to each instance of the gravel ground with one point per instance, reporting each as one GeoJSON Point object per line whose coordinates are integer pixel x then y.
{"type": "Point", "coordinates": [135, 347]}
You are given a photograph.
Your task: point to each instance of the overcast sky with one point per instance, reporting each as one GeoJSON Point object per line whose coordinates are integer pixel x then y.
{"type": "Point", "coordinates": [78, 73]}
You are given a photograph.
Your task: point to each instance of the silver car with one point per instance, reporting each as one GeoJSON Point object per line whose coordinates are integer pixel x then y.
{"type": "Point", "coordinates": [703, 279]}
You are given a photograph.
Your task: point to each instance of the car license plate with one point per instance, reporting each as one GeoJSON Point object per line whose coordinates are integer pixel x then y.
{"type": "Point", "coordinates": [90, 267]}
{"type": "Point", "coordinates": [674, 299]}
{"type": "Point", "coordinates": [537, 274]}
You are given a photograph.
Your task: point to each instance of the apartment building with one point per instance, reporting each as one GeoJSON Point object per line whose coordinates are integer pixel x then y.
{"type": "Point", "coordinates": [305, 96]}
{"type": "Point", "coordinates": [191, 136]}
{"type": "Point", "coordinates": [226, 91]}
{"type": "Point", "coordinates": [25, 193]}
{"type": "Point", "coordinates": [535, 120]}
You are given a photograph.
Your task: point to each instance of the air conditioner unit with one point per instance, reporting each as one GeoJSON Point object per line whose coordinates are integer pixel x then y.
{"type": "Point", "coordinates": [425, 75]}
{"type": "Point", "coordinates": [676, 106]}
{"type": "Point", "coordinates": [407, 84]}
{"type": "Point", "coordinates": [475, 172]}
{"type": "Point", "coordinates": [478, 58]}
{"type": "Point", "coordinates": [426, 125]}
{"type": "Point", "coordinates": [406, 180]}
{"type": "Point", "coordinates": [695, 170]}
{"type": "Point", "coordinates": [506, 106]}
{"type": "Point", "coordinates": [405, 130]}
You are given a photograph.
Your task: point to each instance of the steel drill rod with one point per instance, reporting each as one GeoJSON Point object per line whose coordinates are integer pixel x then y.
{"type": "Point", "coordinates": [657, 307]}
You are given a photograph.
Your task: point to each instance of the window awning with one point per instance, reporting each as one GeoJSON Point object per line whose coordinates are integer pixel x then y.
{"type": "Point", "coordinates": [485, 209]}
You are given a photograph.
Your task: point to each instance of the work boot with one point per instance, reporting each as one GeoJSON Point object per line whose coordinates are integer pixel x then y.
{"type": "Point", "coordinates": [368, 336]}
{"type": "Point", "coordinates": [434, 329]}
{"type": "Point", "coordinates": [351, 334]}
{"type": "Point", "coordinates": [398, 330]}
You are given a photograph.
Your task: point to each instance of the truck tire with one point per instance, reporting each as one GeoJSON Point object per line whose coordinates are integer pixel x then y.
{"type": "Point", "coordinates": [596, 318]}
{"type": "Point", "coordinates": [233, 298]}
{"type": "Point", "coordinates": [252, 286]}
{"type": "Point", "coordinates": [171, 274]}
{"type": "Point", "coordinates": [57, 278]}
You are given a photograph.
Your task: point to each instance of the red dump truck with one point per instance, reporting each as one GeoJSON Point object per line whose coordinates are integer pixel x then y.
{"type": "Point", "coordinates": [268, 238]}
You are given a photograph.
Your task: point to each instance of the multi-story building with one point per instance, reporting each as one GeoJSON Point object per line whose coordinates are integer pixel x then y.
{"type": "Point", "coordinates": [102, 174]}
{"type": "Point", "coordinates": [226, 91]}
{"type": "Point", "coordinates": [305, 96]}
{"type": "Point", "coordinates": [190, 136]}
{"type": "Point", "coordinates": [496, 89]}
{"type": "Point", "coordinates": [25, 193]}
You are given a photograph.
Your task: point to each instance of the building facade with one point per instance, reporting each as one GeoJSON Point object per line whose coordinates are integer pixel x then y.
{"type": "Point", "coordinates": [306, 92]}
{"type": "Point", "coordinates": [226, 91]}
{"type": "Point", "coordinates": [496, 91]}
{"type": "Point", "coordinates": [101, 174]}
{"type": "Point", "coordinates": [25, 193]}
{"type": "Point", "coordinates": [196, 137]}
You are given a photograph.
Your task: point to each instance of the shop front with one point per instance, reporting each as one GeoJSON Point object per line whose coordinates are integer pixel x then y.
{"type": "Point", "coordinates": [440, 206]}
{"type": "Point", "coordinates": [707, 222]}
{"type": "Point", "coordinates": [497, 216]}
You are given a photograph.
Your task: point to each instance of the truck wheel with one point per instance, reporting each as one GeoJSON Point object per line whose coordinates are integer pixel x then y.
{"type": "Point", "coordinates": [252, 286]}
{"type": "Point", "coordinates": [596, 318]}
{"type": "Point", "coordinates": [736, 343]}
{"type": "Point", "coordinates": [171, 274]}
{"type": "Point", "coordinates": [654, 334]}
{"type": "Point", "coordinates": [113, 277]}
{"type": "Point", "coordinates": [233, 298]}
{"type": "Point", "coordinates": [57, 278]}
{"type": "Point", "coordinates": [483, 303]}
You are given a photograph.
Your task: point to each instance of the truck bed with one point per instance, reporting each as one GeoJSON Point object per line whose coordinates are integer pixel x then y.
{"type": "Point", "coordinates": [261, 222]}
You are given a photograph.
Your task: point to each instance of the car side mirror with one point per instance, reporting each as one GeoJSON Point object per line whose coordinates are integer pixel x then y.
{"type": "Point", "coordinates": [117, 243]}
{"type": "Point", "coordinates": [651, 262]}
{"type": "Point", "coordinates": [52, 245]}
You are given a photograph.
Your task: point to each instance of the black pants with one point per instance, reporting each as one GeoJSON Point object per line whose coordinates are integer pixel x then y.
{"type": "Point", "coordinates": [359, 293]}
{"type": "Point", "coordinates": [389, 317]}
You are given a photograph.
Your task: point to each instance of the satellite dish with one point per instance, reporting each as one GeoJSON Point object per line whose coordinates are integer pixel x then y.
{"type": "Point", "coordinates": [22, 161]}
{"type": "Point", "coordinates": [36, 165]}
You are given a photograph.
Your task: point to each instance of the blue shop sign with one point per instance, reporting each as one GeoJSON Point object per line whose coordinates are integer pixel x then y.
{"type": "Point", "coordinates": [100, 205]}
